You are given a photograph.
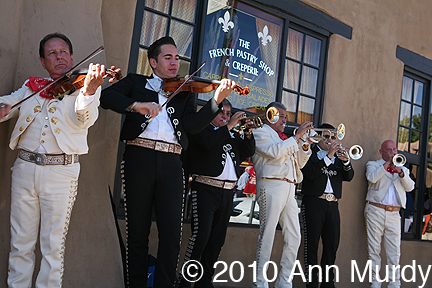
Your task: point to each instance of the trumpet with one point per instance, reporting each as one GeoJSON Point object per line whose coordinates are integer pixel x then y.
{"type": "Point", "coordinates": [272, 116]}
{"type": "Point", "coordinates": [399, 160]}
{"type": "Point", "coordinates": [355, 152]}
{"type": "Point", "coordinates": [316, 137]}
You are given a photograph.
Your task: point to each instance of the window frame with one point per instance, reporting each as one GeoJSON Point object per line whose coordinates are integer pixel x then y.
{"type": "Point", "coordinates": [419, 68]}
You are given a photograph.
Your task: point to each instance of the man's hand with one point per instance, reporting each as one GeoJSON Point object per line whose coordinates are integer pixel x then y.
{"type": "Point", "coordinates": [236, 118]}
{"type": "Point", "coordinates": [304, 127]}
{"type": "Point", "coordinates": [95, 77]}
{"type": "Point", "coordinates": [224, 89]}
{"type": "Point", "coordinates": [146, 108]}
{"type": "Point", "coordinates": [4, 110]}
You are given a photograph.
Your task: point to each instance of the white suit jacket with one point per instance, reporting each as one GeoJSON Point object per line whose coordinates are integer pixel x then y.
{"type": "Point", "coordinates": [68, 121]}
{"type": "Point", "coordinates": [277, 158]}
{"type": "Point", "coordinates": [380, 180]}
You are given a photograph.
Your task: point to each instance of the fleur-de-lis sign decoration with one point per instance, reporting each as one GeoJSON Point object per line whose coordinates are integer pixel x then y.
{"type": "Point", "coordinates": [226, 22]}
{"type": "Point", "coordinates": [264, 35]}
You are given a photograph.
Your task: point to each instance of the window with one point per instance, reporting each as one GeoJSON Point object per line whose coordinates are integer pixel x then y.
{"type": "Point", "coordinates": [414, 138]}
{"type": "Point", "coordinates": [175, 18]}
{"type": "Point", "coordinates": [303, 74]}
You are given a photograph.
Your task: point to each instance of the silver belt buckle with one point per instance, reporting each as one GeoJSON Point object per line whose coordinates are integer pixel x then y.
{"type": "Point", "coordinates": [227, 185]}
{"type": "Point", "coordinates": [159, 146]}
{"type": "Point", "coordinates": [330, 197]}
{"type": "Point", "coordinates": [39, 159]}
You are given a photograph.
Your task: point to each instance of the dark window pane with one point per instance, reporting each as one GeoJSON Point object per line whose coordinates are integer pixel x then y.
{"type": "Point", "coordinates": [416, 117]}
{"type": "Point", "coordinates": [292, 75]}
{"type": "Point", "coordinates": [312, 51]}
{"type": "Point", "coordinates": [290, 102]}
{"type": "Point", "coordinates": [415, 136]}
{"type": "Point", "coordinates": [403, 139]}
{"type": "Point", "coordinates": [407, 86]}
{"type": "Point", "coordinates": [184, 9]}
{"type": "Point", "coordinates": [153, 27]}
{"type": "Point", "coordinates": [309, 81]}
{"type": "Point", "coordinates": [295, 43]}
{"type": "Point", "coordinates": [306, 109]}
{"type": "Point", "coordinates": [182, 35]}
{"type": "Point", "coordinates": [159, 5]}
{"type": "Point", "coordinates": [418, 93]}
{"type": "Point", "coordinates": [405, 114]}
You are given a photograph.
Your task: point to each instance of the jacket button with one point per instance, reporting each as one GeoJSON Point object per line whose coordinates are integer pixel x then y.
{"type": "Point", "coordinates": [28, 119]}
{"type": "Point", "coordinates": [57, 130]}
{"type": "Point", "coordinates": [52, 110]}
{"type": "Point", "coordinates": [21, 128]}
{"type": "Point", "coordinates": [37, 109]}
{"type": "Point", "coordinates": [54, 120]}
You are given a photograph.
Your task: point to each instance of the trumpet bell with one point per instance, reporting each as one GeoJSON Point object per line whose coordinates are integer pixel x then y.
{"type": "Point", "coordinates": [272, 115]}
{"type": "Point", "coordinates": [356, 152]}
{"type": "Point", "coordinates": [340, 132]}
{"type": "Point", "coordinates": [399, 160]}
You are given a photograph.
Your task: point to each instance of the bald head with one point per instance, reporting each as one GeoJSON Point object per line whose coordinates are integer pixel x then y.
{"type": "Point", "coordinates": [388, 150]}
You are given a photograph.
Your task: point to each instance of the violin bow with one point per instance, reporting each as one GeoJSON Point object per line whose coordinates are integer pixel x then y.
{"type": "Point", "coordinates": [148, 116]}
{"type": "Point", "coordinates": [68, 74]}
{"type": "Point", "coordinates": [179, 88]}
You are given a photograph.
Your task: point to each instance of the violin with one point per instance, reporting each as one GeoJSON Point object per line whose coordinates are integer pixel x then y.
{"type": "Point", "coordinates": [65, 78]}
{"type": "Point", "coordinates": [197, 85]}
{"type": "Point", "coordinates": [75, 81]}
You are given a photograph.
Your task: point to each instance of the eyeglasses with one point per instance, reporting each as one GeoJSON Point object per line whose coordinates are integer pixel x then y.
{"type": "Point", "coordinates": [229, 114]}
{"type": "Point", "coordinates": [328, 137]}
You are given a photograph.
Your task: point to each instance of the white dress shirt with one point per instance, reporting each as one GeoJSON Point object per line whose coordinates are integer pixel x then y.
{"type": "Point", "coordinates": [160, 127]}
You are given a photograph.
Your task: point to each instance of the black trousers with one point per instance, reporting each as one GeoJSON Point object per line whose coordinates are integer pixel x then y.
{"type": "Point", "coordinates": [152, 178]}
{"type": "Point", "coordinates": [211, 211]}
{"type": "Point", "coordinates": [321, 219]}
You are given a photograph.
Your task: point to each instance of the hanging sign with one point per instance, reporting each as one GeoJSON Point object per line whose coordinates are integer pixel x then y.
{"type": "Point", "coordinates": [243, 44]}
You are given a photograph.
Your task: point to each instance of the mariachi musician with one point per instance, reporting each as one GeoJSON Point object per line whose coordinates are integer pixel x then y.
{"type": "Point", "coordinates": [152, 166]}
{"type": "Point", "coordinates": [50, 134]}
{"type": "Point", "coordinates": [323, 175]}
{"type": "Point", "coordinates": [215, 156]}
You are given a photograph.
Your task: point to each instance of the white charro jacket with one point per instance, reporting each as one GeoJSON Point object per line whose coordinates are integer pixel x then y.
{"type": "Point", "coordinates": [277, 158]}
{"type": "Point", "coordinates": [379, 181]}
{"type": "Point", "coordinates": [67, 120]}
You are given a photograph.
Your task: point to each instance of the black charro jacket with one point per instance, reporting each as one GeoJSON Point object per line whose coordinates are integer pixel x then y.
{"type": "Point", "coordinates": [181, 109]}
{"type": "Point", "coordinates": [315, 175]}
{"type": "Point", "coordinates": [207, 150]}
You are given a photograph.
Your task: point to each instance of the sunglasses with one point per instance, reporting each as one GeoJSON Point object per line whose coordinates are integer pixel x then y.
{"type": "Point", "coordinates": [328, 137]}
{"type": "Point", "coordinates": [226, 113]}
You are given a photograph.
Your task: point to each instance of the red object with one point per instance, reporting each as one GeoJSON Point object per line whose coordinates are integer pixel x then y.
{"type": "Point", "coordinates": [250, 187]}
{"type": "Point", "coordinates": [391, 169]}
{"type": "Point", "coordinates": [37, 83]}
{"type": "Point", "coordinates": [282, 136]}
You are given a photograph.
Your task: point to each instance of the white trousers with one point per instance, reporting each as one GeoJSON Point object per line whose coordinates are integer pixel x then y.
{"type": "Point", "coordinates": [277, 204]}
{"type": "Point", "coordinates": [383, 225]}
{"type": "Point", "coordinates": [41, 196]}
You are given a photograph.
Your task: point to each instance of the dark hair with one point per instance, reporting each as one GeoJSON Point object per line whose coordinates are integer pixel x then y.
{"type": "Point", "coordinates": [155, 48]}
{"type": "Point", "coordinates": [326, 126]}
{"type": "Point", "coordinates": [276, 105]}
{"type": "Point", "coordinates": [226, 102]}
{"type": "Point", "coordinates": [50, 36]}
